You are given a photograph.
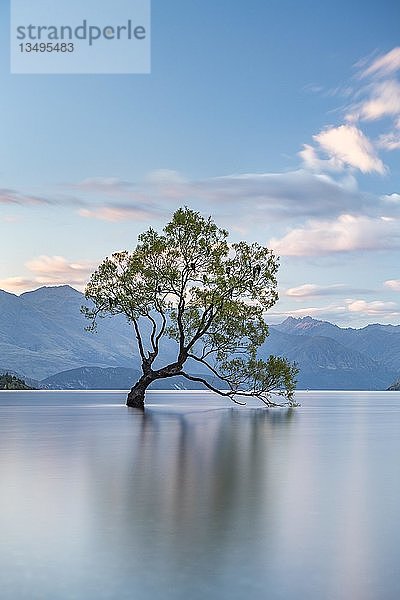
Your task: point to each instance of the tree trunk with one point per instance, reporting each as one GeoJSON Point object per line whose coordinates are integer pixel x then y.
{"type": "Point", "coordinates": [136, 396]}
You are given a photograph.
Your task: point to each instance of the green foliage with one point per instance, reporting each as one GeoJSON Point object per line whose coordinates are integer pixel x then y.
{"type": "Point", "coordinates": [10, 382]}
{"type": "Point", "coordinates": [208, 295]}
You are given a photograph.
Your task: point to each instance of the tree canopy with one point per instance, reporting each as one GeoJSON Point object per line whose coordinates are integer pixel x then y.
{"type": "Point", "coordinates": [190, 285]}
{"type": "Point", "coordinates": [11, 382]}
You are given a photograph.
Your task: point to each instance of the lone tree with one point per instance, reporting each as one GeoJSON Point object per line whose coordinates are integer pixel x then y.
{"type": "Point", "coordinates": [209, 296]}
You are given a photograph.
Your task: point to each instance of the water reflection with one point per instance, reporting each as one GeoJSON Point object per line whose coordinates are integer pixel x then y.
{"type": "Point", "coordinates": [192, 495]}
{"type": "Point", "coordinates": [98, 501]}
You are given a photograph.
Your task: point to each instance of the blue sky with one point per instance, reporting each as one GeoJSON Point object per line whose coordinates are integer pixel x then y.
{"type": "Point", "coordinates": [281, 119]}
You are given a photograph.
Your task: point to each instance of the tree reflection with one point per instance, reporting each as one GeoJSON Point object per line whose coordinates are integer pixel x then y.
{"type": "Point", "coordinates": [192, 485]}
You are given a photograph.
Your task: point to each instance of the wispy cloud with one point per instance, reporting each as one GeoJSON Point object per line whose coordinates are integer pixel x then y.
{"type": "Point", "coordinates": [311, 290]}
{"type": "Point", "coordinates": [276, 197]}
{"type": "Point", "coordinates": [389, 141]}
{"type": "Point", "coordinates": [118, 213]}
{"type": "Point", "coordinates": [384, 65]}
{"type": "Point", "coordinates": [108, 185]}
{"type": "Point", "coordinates": [374, 95]}
{"type": "Point", "coordinates": [382, 100]}
{"type": "Point", "coordinates": [14, 197]}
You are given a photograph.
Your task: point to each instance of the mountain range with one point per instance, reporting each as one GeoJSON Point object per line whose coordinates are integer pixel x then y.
{"type": "Point", "coordinates": [43, 339]}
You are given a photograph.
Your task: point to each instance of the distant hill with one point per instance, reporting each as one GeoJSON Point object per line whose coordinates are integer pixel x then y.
{"type": "Point", "coordinates": [42, 333]}
{"type": "Point", "coordinates": [92, 378]}
{"type": "Point", "coordinates": [381, 343]}
{"type": "Point", "coordinates": [330, 357]}
{"type": "Point", "coordinates": [112, 378]}
{"type": "Point", "coordinates": [43, 338]}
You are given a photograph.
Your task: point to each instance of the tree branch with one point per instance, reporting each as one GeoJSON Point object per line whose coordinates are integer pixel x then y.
{"type": "Point", "coordinates": [212, 369]}
{"type": "Point", "coordinates": [237, 392]}
{"type": "Point", "coordinates": [203, 327]}
{"type": "Point", "coordinates": [211, 387]}
{"type": "Point", "coordinates": [164, 323]}
{"type": "Point", "coordinates": [139, 341]}
{"type": "Point", "coordinates": [153, 332]}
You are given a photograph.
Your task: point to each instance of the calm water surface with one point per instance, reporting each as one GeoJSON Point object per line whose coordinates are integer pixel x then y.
{"type": "Point", "coordinates": [99, 501]}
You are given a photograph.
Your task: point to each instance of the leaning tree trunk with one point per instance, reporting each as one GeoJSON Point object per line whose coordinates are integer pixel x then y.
{"type": "Point", "coordinates": [136, 396]}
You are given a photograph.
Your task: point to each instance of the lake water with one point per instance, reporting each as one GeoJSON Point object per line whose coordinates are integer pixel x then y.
{"type": "Point", "coordinates": [192, 500]}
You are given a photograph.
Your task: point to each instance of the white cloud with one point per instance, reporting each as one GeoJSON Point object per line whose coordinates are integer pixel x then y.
{"type": "Point", "coordinates": [348, 145]}
{"type": "Point", "coordinates": [312, 161]}
{"type": "Point", "coordinates": [391, 198]}
{"type": "Point", "coordinates": [345, 234]}
{"type": "Point", "coordinates": [380, 98]}
{"type": "Point", "coordinates": [384, 65]}
{"type": "Point", "coordinates": [393, 284]}
{"type": "Point", "coordinates": [383, 101]}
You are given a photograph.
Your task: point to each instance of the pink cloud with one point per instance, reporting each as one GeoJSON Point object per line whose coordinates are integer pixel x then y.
{"type": "Point", "coordinates": [50, 270]}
